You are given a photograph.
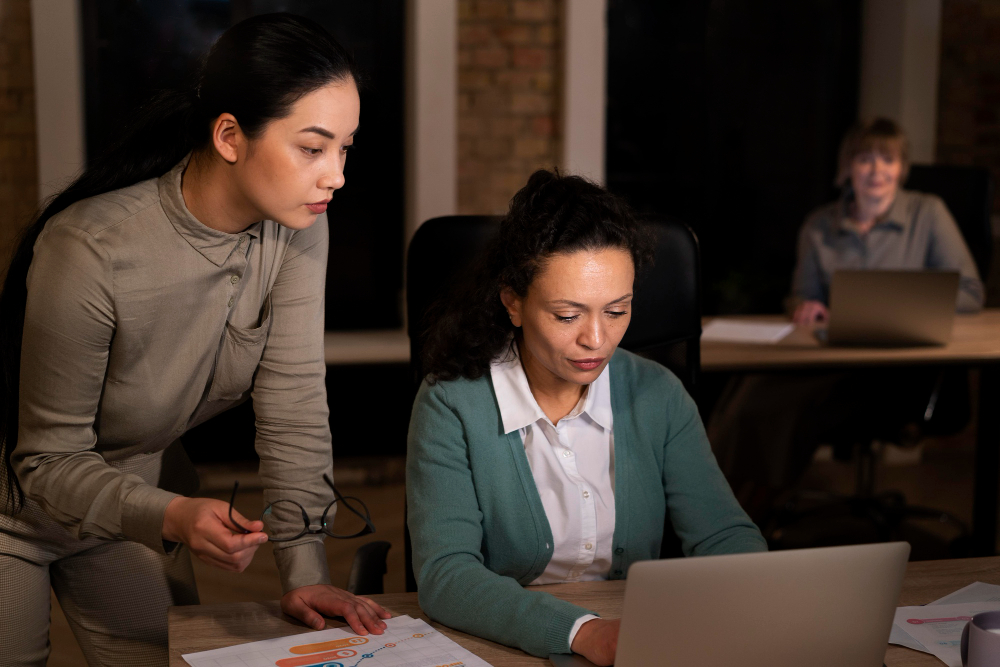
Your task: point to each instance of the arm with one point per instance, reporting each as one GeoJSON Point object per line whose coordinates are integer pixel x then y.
{"type": "Point", "coordinates": [68, 327]}
{"type": "Point", "coordinates": [808, 283]}
{"type": "Point", "coordinates": [293, 433]}
{"type": "Point", "coordinates": [446, 526]}
{"type": "Point", "coordinates": [947, 250]}
{"type": "Point", "coordinates": [705, 513]}
{"type": "Point", "coordinates": [289, 401]}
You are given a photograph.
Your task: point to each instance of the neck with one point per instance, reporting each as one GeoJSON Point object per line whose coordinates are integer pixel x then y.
{"type": "Point", "coordinates": [212, 196]}
{"type": "Point", "coordinates": [554, 395]}
{"type": "Point", "coordinates": [868, 210]}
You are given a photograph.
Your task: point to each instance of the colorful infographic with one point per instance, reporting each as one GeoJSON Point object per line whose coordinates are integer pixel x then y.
{"type": "Point", "coordinates": [407, 642]}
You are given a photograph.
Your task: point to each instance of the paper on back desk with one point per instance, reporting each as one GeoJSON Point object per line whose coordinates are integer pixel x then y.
{"type": "Point", "coordinates": [975, 592]}
{"type": "Point", "coordinates": [741, 331]}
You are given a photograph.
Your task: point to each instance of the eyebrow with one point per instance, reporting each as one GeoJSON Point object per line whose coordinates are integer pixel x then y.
{"type": "Point", "coordinates": [574, 304]}
{"type": "Point", "coordinates": [326, 133]}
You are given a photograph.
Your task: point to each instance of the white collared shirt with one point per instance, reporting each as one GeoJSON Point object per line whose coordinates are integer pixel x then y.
{"type": "Point", "coordinates": [572, 463]}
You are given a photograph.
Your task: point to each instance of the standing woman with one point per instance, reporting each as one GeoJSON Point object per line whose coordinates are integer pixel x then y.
{"type": "Point", "coordinates": [180, 274]}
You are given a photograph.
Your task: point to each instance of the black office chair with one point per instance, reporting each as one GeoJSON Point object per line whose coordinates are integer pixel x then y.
{"type": "Point", "coordinates": [666, 320]}
{"type": "Point", "coordinates": [968, 194]}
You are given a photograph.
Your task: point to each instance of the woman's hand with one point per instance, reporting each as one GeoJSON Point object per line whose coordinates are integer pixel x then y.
{"type": "Point", "coordinates": [597, 641]}
{"type": "Point", "coordinates": [310, 603]}
{"type": "Point", "coordinates": [203, 525]}
{"type": "Point", "coordinates": [810, 312]}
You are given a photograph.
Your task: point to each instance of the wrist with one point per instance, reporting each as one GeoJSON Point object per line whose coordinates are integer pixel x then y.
{"type": "Point", "coordinates": [584, 634]}
{"type": "Point", "coordinates": [171, 529]}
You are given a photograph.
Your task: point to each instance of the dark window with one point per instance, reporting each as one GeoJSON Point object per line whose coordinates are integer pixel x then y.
{"type": "Point", "coordinates": [728, 114]}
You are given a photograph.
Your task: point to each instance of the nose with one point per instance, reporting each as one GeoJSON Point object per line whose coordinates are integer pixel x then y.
{"type": "Point", "coordinates": [333, 179]}
{"type": "Point", "coordinates": [592, 334]}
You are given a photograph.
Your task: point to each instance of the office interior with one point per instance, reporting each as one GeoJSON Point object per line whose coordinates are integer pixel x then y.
{"type": "Point", "coordinates": [724, 114]}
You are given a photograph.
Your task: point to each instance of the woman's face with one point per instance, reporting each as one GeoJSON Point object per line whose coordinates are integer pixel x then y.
{"type": "Point", "coordinates": [293, 167]}
{"type": "Point", "coordinates": [574, 314]}
{"type": "Point", "coordinates": [875, 174]}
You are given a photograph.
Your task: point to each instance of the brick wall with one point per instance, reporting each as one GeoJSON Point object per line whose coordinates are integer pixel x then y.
{"type": "Point", "coordinates": [969, 90]}
{"type": "Point", "coordinates": [508, 97]}
{"type": "Point", "coordinates": [18, 173]}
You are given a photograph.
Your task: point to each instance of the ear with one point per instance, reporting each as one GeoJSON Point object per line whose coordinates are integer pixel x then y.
{"type": "Point", "coordinates": [227, 138]}
{"type": "Point", "coordinates": [513, 303]}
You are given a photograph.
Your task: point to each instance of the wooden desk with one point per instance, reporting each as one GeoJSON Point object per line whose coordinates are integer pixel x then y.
{"type": "Point", "coordinates": [975, 342]}
{"type": "Point", "coordinates": [204, 627]}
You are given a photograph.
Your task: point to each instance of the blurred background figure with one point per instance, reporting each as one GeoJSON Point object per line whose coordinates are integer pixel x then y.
{"type": "Point", "coordinates": [765, 428]}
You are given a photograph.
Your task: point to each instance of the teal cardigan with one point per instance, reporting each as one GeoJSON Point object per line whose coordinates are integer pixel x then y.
{"type": "Point", "coordinates": [477, 523]}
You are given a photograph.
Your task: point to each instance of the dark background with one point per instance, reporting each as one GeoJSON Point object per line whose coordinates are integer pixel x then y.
{"type": "Point", "coordinates": [728, 114]}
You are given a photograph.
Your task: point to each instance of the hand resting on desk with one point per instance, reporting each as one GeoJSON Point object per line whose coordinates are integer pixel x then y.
{"type": "Point", "coordinates": [810, 312]}
{"type": "Point", "coordinates": [597, 640]}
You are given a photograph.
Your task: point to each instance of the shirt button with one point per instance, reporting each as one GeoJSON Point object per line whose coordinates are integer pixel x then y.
{"type": "Point", "coordinates": [619, 551]}
{"type": "Point", "coordinates": [588, 546]}
{"type": "Point", "coordinates": [230, 302]}
{"type": "Point", "coordinates": [586, 494]}
{"type": "Point", "coordinates": [567, 454]}
{"type": "Point", "coordinates": [234, 279]}
{"type": "Point", "coordinates": [242, 240]}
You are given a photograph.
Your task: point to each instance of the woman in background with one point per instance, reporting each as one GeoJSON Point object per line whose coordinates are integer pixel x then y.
{"type": "Point", "coordinates": [538, 452]}
{"type": "Point", "coordinates": [182, 270]}
{"type": "Point", "coordinates": [765, 428]}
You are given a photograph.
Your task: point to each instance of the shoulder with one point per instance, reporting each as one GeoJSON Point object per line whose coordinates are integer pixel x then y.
{"type": "Point", "coordinates": [461, 394]}
{"type": "Point", "coordinates": [100, 213]}
{"type": "Point", "coordinates": [923, 205]}
{"type": "Point", "coordinates": [640, 376]}
{"type": "Point", "coordinates": [823, 218]}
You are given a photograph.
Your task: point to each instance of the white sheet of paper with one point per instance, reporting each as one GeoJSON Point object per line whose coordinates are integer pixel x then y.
{"type": "Point", "coordinates": [939, 627]}
{"type": "Point", "coordinates": [741, 331]}
{"type": "Point", "coordinates": [406, 641]}
{"type": "Point", "coordinates": [975, 592]}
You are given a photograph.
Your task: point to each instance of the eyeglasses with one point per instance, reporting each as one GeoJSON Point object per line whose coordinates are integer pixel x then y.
{"type": "Point", "coordinates": [285, 510]}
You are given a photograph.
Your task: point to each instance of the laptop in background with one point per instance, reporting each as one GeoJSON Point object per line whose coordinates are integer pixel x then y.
{"type": "Point", "coordinates": [826, 607]}
{"type": "Point", "coordinates": [892, 308]}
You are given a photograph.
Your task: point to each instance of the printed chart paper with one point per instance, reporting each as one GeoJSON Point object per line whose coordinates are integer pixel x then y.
{"type": "Point", "coordinates": [973, 593]}
{"type": "Point", "coordinates": [939, 627]}
{"type": "Point", "coordinates": [741, 331]}
{"type": "Point", "coordinates": [406, 642]}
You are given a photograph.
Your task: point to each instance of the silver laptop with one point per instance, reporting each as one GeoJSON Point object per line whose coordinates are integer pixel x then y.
{"type": "Point", "coordinates": [826, 607]}
{"type": "Point", "coordinates": [892, 308]}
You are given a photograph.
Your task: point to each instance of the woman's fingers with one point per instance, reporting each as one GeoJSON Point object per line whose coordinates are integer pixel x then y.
{"type": "Point", "coordinates": [296, 607]}
{"type": "Point", "coordinates": [375, 607]}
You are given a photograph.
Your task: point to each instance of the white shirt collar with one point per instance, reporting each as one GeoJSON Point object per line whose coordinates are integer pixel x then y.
{"type": "Point", "coordinates": [518, 407]}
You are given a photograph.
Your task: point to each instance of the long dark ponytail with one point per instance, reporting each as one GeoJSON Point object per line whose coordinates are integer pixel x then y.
{"type": "Point", "coordinates": [256, 71]}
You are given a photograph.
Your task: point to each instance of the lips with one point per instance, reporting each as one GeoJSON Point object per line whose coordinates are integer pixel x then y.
{"type": "Point", "coordinates": [318, 207]}
{"type": "Point", "coordinates": [587, 364]}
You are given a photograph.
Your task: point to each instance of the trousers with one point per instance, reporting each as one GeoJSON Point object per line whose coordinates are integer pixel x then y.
{"type": "Point", "coordinates": [114, 594]}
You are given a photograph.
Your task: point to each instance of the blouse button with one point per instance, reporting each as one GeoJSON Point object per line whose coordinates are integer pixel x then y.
{"type": "Point", "coordinates": [567, 454]}
{"type": "Point", "coordinates": [586, 494]}
{"type": "Point", "coordinates": [588, 546]}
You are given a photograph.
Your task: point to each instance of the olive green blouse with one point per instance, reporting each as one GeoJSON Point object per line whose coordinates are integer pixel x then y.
{"type": "Point", "coordinates": [141, 323]}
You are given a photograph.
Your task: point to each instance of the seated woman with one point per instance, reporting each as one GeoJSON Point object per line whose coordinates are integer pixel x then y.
{"type": "Point", "coordinates": [539, 453]}
{"type": "Point", "coordinates": [765, 428]}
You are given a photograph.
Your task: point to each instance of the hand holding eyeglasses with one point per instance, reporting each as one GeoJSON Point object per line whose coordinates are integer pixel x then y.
{"type": "Point", "coordinates": [203, 525]}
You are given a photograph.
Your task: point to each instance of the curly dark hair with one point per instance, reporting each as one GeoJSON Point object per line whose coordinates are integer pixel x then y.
{"type": "Point", "coordinates": [550, 215]}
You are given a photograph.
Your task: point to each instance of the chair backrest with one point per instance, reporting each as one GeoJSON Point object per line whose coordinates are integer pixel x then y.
{"type": "Point", "coordinates": [968, 193]}
{"type": "Point", "coordinates": [666, 320]}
